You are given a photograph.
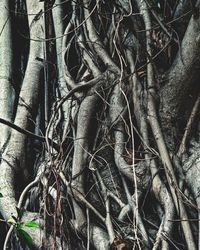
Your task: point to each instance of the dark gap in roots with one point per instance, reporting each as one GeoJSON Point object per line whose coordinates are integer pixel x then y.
{"type": "Point", "coordinates": [71, 58]}
{"type": "Point", "coordinates": [3, 231]}
{"type": "Point", "coordinates": [150, 215]}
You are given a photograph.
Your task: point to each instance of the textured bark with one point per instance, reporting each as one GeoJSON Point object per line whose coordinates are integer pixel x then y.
{"type": "Point", "coordinates": [7, 93]}
{"type": "Point", "coordinates": [180, 78]}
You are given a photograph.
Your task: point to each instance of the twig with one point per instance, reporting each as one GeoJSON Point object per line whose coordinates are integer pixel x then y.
{"type": "Point", "coordinates": [19, 206]}
{"type": "Point", "coordinates": [108, 221]}
{"type": "Point", "coordinates": [188, 128]}
{"type": "Point", "coordinates": [28, 133]}
{"type": "Point", "coordinates": [78, 196]}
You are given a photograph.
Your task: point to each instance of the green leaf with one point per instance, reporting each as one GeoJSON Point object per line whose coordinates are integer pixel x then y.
{"type": "Point", "coordinates": [1, 195]}
{"type": "Point", "coordinates": [31, 224]}
{"type": "Point", "coordinates": [18, 226]}
{"type": "Point", "coordinates": [26, 236]}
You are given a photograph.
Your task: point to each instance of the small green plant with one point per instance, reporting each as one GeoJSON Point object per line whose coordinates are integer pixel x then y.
{"type": "Point", "coordinates": [1, 195]}
{"type": "Point", "coordinates": [20, 228]}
